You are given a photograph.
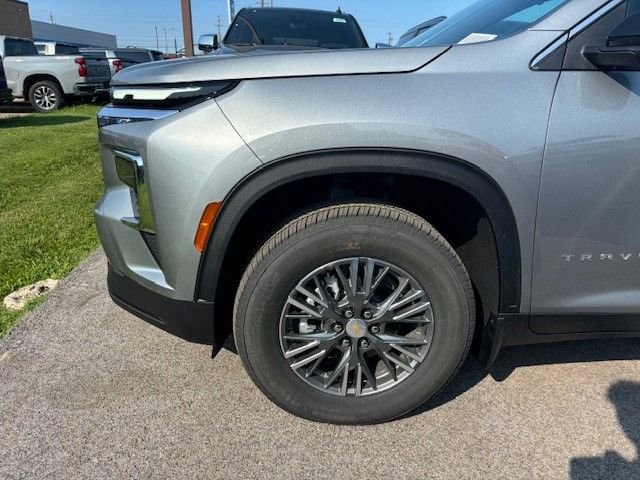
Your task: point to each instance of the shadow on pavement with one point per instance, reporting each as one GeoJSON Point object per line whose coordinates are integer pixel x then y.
{"type": "Point", "coordinates": [625, 396]}
{"type": "Point", "coordinates": [39, 121]}
{"type": "Point", "coordinates": [16, 107]}
{"type": "Point", "coordinates": [513, 358]}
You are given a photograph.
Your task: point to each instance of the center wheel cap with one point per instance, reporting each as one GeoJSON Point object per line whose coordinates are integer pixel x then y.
{"type": "Point", "coordinates": [356, 328]}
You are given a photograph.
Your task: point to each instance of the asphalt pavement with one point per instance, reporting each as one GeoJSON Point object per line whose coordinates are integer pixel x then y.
{"type": "Point", "coordinates": [16, 109]}
{"type": "Point", "coordinates": [89, 391]}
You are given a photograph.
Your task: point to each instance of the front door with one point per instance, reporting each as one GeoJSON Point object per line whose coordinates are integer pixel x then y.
{"type": "Point", "coordinates": [587, 247]}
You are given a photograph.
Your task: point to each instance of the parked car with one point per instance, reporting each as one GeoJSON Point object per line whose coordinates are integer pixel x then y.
{"type": "Point", "coordinates": [123, 57]}
{"type": "Point", "coordinates": [56, 48]}
{"type": "Point", "coordinates": [419, 29]}
{"type": "Point", "coordinates": [6, 96]}
{"type": "Point", "coordinates": [359, 219]}
{"type": "Point", "coordinates": [43, 80]}
{"type": "Point", "coordinates": [267, 29]}
{"type": "Point", "coordinates": [115, 64]}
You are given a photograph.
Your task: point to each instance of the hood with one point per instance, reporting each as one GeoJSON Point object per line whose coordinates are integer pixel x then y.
{"type": "Point", "coordinates": [279, 65]}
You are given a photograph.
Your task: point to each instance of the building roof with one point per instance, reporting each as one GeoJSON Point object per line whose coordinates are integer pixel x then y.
{"type": "Point", "coordinates": [48, 32]}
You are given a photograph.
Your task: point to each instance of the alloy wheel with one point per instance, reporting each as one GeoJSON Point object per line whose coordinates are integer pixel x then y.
{"type": "Point", "coordinates": [45, 97]}
{"type": "Point", "coordinates": [356, 327]}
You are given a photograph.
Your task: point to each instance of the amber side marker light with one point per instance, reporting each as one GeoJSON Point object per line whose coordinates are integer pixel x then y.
{"type": "Point", "coordinates": [206, 225]}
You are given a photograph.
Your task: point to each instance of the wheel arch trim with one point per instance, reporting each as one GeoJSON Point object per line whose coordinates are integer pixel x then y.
{"type": "Point", "coordinates": [451, 170]}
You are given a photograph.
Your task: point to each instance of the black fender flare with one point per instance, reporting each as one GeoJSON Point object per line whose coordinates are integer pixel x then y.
{"type": "Point", "coordinates": [447, 169]}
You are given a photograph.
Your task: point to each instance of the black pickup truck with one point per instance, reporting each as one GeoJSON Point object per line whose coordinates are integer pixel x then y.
{"type": "Point", "coordinates": [256, 30]}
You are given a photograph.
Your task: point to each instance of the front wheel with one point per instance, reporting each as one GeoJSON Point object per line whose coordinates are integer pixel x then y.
{"type": "Point", "coordinates": [354, 314]}
{"type": "Point", "coordinates": [45, 96]}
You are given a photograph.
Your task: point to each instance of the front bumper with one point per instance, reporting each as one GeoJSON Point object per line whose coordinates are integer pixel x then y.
{"type": "Point", "coordinates": [81, 89]}
{"type": "Point", "coordinates": [192, 321]}
{"type": "Point", "coordinates": [6, 96]}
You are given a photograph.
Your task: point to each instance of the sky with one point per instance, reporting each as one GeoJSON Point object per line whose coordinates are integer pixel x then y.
{"type": "Point", "coordinates": [134, 21]}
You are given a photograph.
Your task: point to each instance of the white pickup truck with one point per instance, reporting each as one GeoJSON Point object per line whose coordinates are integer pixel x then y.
{"type": "Point", "coordinates": [46, 80]}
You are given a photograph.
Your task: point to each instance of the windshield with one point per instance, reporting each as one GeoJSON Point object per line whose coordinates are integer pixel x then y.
{"type": "Point", "coordinates": [62, 49]}
{"type": "Point", "coordinates": [486, 20]}
{"type": "Point", "coordinates": [94, 53]}
{"type": "Point", "coordinates": [134, 56]}
{"type": "Point", "coordinates": [296, 28]}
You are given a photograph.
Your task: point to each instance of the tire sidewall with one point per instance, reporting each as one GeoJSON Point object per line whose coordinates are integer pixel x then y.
{"type": "Point", "coordinates": [260, 307]}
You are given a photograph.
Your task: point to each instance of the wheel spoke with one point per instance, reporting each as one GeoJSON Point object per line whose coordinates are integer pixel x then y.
{"type": "Point", "coordinates": [304, 337]}
{"type": "Point", "coordinates": [413, 310]}
{"type": "Point", "coordinates": [407, 299]}
{"type": "Point", "coordinates": [386, 305]}
{"type": "Point", "coordinates": [362, 365]}
{"type": "Point", "coordinates": [379, 278]}
{"type": "Point", "coordinates": [368, 277]}
{"type": "Point", "coordinates": [312, 296]}
{"type": "Point", "coordinates": [409, 354]}
{"type": "Point", "coordinates": [307, 360]}
{"type": "Point", "coordinates": [315, 366]}
{"type": "Point", "coordinates": [353, 276]}
{"type": "Point", "coordinates": [344, 362]}
{"type": "Point", "coordinates": [399, 362]}
{"type": "Point", "coordinates": [359, 380]}
{"type": "Point", "coordinates": [390, 368]}
{"type": "Point", "coordinates": [398, 340]}
{"type": "Point", "coordinates": [345, 381]}
{"type": "Point", "coordinates": [304, 348]}
{"type": "Point", "coordinates": [321, 291]}
{"type": "Point", "coordinates": [304, 308]}
{"type": "Point", "coordinates": [343, 281]}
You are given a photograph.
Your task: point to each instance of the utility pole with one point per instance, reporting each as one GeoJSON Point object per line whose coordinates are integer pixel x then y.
{"type": "Point", "coordinates": [157, 41]}
{"type": "Point", "coordinates": [219, 25]}
{"type": "Point", "coordinates": [187, 27]}
{"type": "Point", "coordinates": [51, 18]}
{"type": "Point", "coordinates": [175, 45]}
{"type": "Point", "coordinates": [231, 7]}
{"type": "Point", "coordinates": [390, 38]}
{"type": "Point", "coordinates": [166, 39]}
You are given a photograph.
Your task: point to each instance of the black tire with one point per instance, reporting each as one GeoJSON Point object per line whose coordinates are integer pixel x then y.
{"type": "Point", "coordinates": [356, 230]}
{"type": "Point", "coordinates": [45, 96]}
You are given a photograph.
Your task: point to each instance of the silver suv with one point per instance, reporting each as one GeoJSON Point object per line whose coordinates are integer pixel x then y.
{"type": "Point", "coordinates": [360, 220]}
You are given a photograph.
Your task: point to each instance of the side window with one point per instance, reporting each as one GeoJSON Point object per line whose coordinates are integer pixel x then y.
{"type": "Point", "coordinates": [240, 33]}
{"type": "Point", "coordinates": [596, 34]}
{"type": "Point", "coordinates": [19, 48]}
{"type": "Point", "coordinates": [634, 6]}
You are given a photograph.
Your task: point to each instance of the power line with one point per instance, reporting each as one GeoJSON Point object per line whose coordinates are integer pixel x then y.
{"type": "Point", "coordinates": [166, 41]}
{"type": "Point", "coordinates": [219, 25]}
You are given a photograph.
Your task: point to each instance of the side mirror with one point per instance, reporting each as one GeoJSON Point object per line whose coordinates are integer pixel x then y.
{"type": "Point", "coordinates": [208, 43]}
{"type": "Point", "coordinates": [383, 45]}
{"type": "Point", "coordinates": [622, 51]}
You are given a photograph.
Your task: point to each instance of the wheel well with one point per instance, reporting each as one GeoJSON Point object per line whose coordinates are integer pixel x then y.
{"type": "Point", "coordinates": [30, 80]}
{"type": "Point", "coordinates": [458, 216]}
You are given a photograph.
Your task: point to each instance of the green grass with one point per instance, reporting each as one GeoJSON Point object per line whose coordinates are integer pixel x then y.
{"type": "Point", "coordinates": [50, 180]}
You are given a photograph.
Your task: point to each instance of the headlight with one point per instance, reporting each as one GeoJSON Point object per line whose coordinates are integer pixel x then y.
{"type": "Point", "coordinates": [176, 96]}
{"type": "Point", "coordinates": [116, 116]}
{"type": "Point", "coordinates": [139, 103]}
